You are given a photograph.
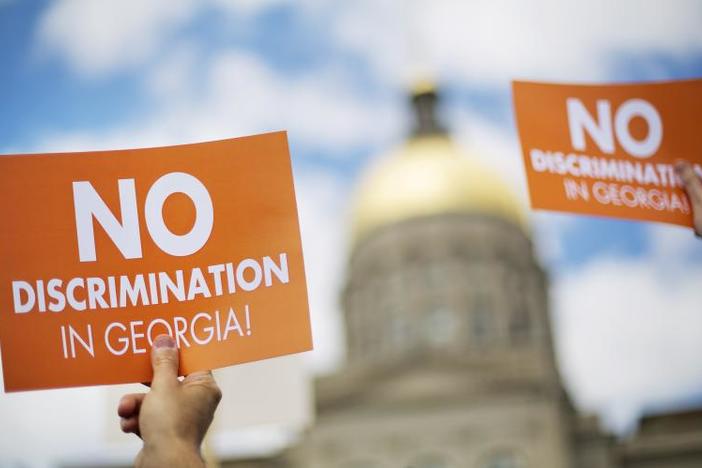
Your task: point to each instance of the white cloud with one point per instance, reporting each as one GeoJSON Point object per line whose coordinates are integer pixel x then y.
{"type": "Point", "coordinates": [320, 108]}
{"type": "Point", "coordinates": [249, 8]}
{"type": "Point", "coordinates": [101, 37]}
{"type": "Point", "coordinates": [40, 428]}
{"type": "Point", "coordinates": [173, 74]}
{"type": "Point", "coordinates": [549, 229]}
{"type": "Point", "coordinates": [322, 203]}
{"type": "Point", "coordinates": [240, 95]}
{"type": "Point", "coordinates": [671, 245]}
{"type": "Point", "coordinates": [484, 41]}
{"type": "Point", "coordinates": [497, 147]}
{"type": "Point", "coordinates": [493, 41]}
{"type": "Point", "coordinates": [629, 330]}
{"type": "Point", "coordinates": [98, 38]}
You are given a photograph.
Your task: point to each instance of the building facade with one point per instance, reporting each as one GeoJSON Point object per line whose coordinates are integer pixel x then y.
{"type": "Point", "coordinates": [450, 359]}
{"type": "Point", "coordinates": [450, 356]}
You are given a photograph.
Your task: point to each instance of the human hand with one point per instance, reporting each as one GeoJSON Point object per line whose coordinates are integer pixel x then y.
{"type": "Point", "coordinates": [693, 187]}
{"type": "Point", "coordinates": [174, 416]}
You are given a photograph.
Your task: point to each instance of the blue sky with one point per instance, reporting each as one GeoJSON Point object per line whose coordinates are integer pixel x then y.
{"type": "Point", "coordinates": [80, 75]}
{"type": "Point", "coordinates": [43, 95]}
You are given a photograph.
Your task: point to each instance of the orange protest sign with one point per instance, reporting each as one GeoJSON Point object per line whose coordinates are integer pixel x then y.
{"type": "Point", "coordinates": [103, 251]}
{"type": "Point", "coordinates": [610, 150]}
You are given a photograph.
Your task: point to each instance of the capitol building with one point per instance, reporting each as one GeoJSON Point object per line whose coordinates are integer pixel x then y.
{"type": "Point", "coordinates": [450, 360]}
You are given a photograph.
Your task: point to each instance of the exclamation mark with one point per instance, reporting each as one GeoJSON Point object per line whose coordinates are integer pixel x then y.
{"type": "Point", "coordinates": [248, 320]}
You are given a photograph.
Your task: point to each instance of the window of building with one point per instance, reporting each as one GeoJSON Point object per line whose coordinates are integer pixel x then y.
{"type": "Point", "coordinates": [504, 460]}
{"type": "Point", "coordinates": [429, 461]}
{"type": "Point", "coordinates": [519, 317]}
{"type": "Point", "coordinates": [519, 324]}
{"type": "Point", "coordinates": [396, 284]}
{"type": "Point", "coordinates": [364, 463]}
{"type": "Point", "coordinates": [441, 326]}
{"type": "Point", "coordinates": [399, 331]}
{"type": "Point", "coordinates": [437, 276]}
{"type": "Point", "coordinates": [481, 320]}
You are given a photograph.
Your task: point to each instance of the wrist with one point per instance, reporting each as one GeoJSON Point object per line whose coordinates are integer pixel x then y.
{"type": "Point", "coordinates": [170, 452]}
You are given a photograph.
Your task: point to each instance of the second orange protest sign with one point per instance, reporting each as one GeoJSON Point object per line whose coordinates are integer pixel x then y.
{"type": "Point", "coordinates": [101, 252]}
{"type": "Point", "coordinates": [610, 150]}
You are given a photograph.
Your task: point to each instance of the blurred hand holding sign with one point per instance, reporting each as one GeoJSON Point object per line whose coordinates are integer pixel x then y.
{"type": "Point", "coordinates": [610, 150]}
{"type": "Point", "coordinates": [103, 251]}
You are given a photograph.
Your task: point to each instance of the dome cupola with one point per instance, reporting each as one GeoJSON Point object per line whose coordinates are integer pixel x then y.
{"type": "Point", "coordinates": [429, 175]}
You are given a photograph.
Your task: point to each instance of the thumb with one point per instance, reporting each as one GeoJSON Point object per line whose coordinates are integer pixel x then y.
{"type": "Point", "coordinates": [164, 360]}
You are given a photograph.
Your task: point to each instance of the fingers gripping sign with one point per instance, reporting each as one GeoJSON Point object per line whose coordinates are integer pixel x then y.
{"type": "Point", "coordinates": [173, 417]}
{"type": "Point", "coordinates": [693, 187]}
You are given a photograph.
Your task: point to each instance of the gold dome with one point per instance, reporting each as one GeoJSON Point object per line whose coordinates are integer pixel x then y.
{"type": "Point", "coordinates": [429, 175]}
